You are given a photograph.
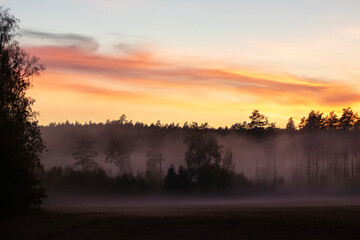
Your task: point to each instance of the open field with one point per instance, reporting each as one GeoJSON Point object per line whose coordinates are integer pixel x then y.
{"type": "Point", "coordinates": [272, 219]}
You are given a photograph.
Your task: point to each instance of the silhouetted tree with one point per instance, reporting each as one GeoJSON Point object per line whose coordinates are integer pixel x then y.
{"type": "Point", "coordinates": [332, 121]}
{"type": "Point", "coordinates": [227, 162]}
{"type": "Point", "coordinates": [240, 127]}
{"type": "Point", "coordinates": [259, 124]}
{"type": "Point", "coordinates": [202, 149]}
{"type": "Point", "coordinates": [348, 119]}
{"type": "Point", "coordinates": [184, 179]}
{"type": "Point", "coordinates": [122, 120]}
{"type": "Point", "coordinates": [118, 151]}
{"type": "Point", "coordinates": [20, 140]}
{"type": "Point", "coordinates": [257, 120]}
{"type": "Point", "coordinates": [154, 155]}
{"type": "Point", "coordinates": [205, 163]}
{"type": "Point", "coordinates": [314, 121]}
{"type": "Point", "coordinates": [84, 155]}
{"type": "Point", "coordinates": [171, 179]}
{"type": "Point", "coordinates": [290, 126]}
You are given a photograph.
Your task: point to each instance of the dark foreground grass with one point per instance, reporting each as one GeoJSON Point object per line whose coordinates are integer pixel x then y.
{"type": "Point", "coordinates": [190, 222]}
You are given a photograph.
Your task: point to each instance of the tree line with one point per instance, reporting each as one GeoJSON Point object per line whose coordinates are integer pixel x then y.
{"type": "Point", "coordinates": [349, 120]}
{"type": "Point", "coordinates": [316, 154]}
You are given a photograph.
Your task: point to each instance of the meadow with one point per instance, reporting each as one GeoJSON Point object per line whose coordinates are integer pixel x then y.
{"type": "Point", "coordinates": [310, 218]}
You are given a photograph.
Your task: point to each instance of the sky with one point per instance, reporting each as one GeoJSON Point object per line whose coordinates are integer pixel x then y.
{"type": "Point", "coordinates": [179, 60]}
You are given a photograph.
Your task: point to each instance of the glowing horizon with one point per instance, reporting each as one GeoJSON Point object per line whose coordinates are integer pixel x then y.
{"type": "Point", "coordinates": [285, 62]}
{"type": "Point", "coordinates": [134, 84]}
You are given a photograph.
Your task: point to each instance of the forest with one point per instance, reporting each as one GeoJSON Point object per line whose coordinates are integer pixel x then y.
{"type": "Point", "coordinates": [319, 156]}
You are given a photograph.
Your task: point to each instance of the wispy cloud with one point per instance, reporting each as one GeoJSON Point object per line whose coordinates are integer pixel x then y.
{"type": "Point", "coordinates": [142, 78]}
{"type": "Point", "coordinates": [69, 39]}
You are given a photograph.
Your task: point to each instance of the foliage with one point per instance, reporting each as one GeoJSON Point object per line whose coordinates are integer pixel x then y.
{"type": "Point", "coordinates": [348, 121]}
{"type": "Point", "coordinates": [208, 168]}
{"type": "Point", "coordinates": [258, 126]}
{"type": "Point", "coordinates": [20, 141]}
{"type": "Point", "coordinates": [257, 120]}
{"type": "Point", "coordinates": [290, 126]}
{"type": "Point", "coordinates": [73, 181]}
{"type": "Point", "coordinates": [202, 150]}
{"type": "Point", "coordinates": [118, 151]}
{"type": "Point", "coordinates": [154, 155]}
{"type": "Point", "coordinates": [171, 179]}
{"type": "Point", "coordinates": [323, 151]}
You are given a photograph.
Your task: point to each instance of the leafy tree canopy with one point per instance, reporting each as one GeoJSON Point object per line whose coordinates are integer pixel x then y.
{"type": "Point", "coordinates": [20, 139]}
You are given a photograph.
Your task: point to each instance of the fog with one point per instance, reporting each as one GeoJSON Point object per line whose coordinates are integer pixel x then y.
{"type": "Point", "coordinates": [331, 156]}
{"type": "Point", "coordinates": [167, 206]}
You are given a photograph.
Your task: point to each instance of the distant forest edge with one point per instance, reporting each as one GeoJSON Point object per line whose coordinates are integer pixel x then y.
{"type": "Point", "coordinates": [348, 120]}
{"type": "Point", "coordinates": [321, 155]}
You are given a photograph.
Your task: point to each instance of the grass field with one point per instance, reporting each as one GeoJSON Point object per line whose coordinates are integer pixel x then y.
{"type": "Point", "coordinates": [209, 220]}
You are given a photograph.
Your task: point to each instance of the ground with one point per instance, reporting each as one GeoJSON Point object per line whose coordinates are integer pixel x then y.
{"type": "Point", "coordinates": [191, 220]}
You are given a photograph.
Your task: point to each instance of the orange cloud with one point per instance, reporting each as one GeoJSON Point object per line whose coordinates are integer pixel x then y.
{"type": "Point", "coordinates": [155, 83]}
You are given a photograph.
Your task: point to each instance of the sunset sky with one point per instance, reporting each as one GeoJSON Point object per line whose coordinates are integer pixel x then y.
{"type": "Point", "coordinates": [202, 60]}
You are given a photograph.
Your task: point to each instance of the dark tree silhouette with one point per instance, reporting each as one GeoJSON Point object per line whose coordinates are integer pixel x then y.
{"type": "Point", "coordinates": [290, 126]}
{"type": "Point", "coordinates": [179, 181]}
{"type": "Point", "coordinates": [332, 121]}
{"type": "Point", "coordinates": [259, 124]}
{"type": "Point", "coordinates": [122, 120]}
{"type": "Point", "coordinates": [348, 119]}
{"type": "Point", "coordinates": [171, 179]}
{"type": "Point", "coordinates": [154, 154]}
{"type": "Point", "coordinates": [84, 155]}
{"type": "Point", "coordinates": [20, 139]}
{"type": "Point", "coordinates": [314, 121]}
{"type": "Point", "coordinates": [202, 149]}
{"type": "Point", "coordinates": [184, 182]}
{"type": "Point", "coordinates": [257, 120]}
{"type": "Point", "coordinates": [227, 162]}
{"type": "Point", "coordinates": [118, 151]}
{"type": "Point", "coordinates": [206, 165]}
